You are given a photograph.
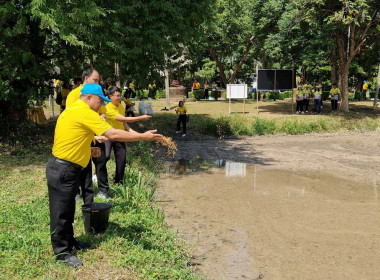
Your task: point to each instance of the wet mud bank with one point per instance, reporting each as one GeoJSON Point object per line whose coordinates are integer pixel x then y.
{"type": "Point", "coordinates": [282, 207]}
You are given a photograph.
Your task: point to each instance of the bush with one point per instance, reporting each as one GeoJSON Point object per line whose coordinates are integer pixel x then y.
{"type": "Point", "coordinates": [215, 94]}
{"type": "Point", "coordinates": [351, 95]}
{"type": "Point", "coordinates": [160, 93]}
{"type": "Point", "coordinates": [272, 95]}
{"type": "Point", "coordinates": [372, 94]}
{"type": "Point", "coordinates": [198, 94]}
{"type": "Point", "coordinates": [360, 95]}
{"type": "Point", "coordinates": [288, 94]}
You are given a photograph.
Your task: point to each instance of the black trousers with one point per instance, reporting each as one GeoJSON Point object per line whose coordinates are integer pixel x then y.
{"type": "Point", "coordinates": [334, 104]}
{"type": "Point", "coordinates": [306, 104]}
{"type": "Point", "coordinates": [63, 181]}
{"type": "Point", "coordinates": [206, 93]}
{"type": "Point", "coordinates": [86, 187]}
{"type": "Point", "coordinates": [120, 153]}
{"type": "Point", "coordinates": [101, 168]}
{"type": "Point", "coordinates": [181, 119]}
{"type": "Point", "coordinates": [299, 105]}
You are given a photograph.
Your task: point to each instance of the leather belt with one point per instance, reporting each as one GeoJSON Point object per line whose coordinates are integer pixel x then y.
{"type": "Point", "coordinates": [68, 163]}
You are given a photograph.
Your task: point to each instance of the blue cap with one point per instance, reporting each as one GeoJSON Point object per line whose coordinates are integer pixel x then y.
{"type": "Point", "coordinates": [94, 89]}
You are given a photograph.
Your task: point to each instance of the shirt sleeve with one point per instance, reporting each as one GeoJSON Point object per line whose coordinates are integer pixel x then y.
{"type": "Point", "coordinates": [95, 123]}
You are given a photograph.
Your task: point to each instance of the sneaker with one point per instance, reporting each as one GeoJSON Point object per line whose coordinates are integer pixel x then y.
{"type": "Point", "coordinates": [303, 112]}
{"type": "Point", "coordinates": [70, 260]}
{"type": "Point", "coordinates": [297, 112]}
{"type": "Point", "coordinates": [103, 195]}
{"type": "Point", "coordinates": [183, 135]}
{"type": "Point", "coordinates": [178, 131]}
{"type": "Point", "coordinates": [321, 106]}
{"type": "Point", "coordinates": [307, 111]}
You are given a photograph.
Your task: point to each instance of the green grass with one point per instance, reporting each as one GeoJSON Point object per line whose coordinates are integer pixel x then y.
{"type": "Point", "coordinates": [137, 244]}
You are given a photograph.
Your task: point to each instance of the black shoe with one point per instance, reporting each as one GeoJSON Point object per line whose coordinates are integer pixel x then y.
{"type": "Point", "coordinates": [81, 245]}
{"type": "Point", "coordinates": [70, 260]}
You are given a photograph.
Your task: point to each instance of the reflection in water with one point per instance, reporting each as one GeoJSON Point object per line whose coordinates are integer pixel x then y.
{"type": "Point", "coordinates": [235, 169]}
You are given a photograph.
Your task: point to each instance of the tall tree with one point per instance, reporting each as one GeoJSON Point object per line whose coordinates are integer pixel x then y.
{"type": "Point", "coordinates": [354, 25]}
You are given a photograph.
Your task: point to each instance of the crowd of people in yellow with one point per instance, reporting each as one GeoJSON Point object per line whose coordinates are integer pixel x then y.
{"type": "Point", "coordinates": [86, 129]}
{"type": "Point", "coordinates": [305, 92]}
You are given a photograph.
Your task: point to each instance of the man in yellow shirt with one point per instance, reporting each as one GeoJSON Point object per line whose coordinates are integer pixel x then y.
{"type": "Point", "coordinates": [181, 112]}
{"type": "Point", "coordinates": [115, 117]}
{"type": "Point", "coordinates": [365, 88]}
{"type": "Point", "coordinates": [334, 93]}
{"type": "Point", "coordinates": [71, 153]}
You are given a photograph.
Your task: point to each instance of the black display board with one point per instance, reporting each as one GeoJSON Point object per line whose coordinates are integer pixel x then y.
{"type": "Point", "coordinates": [275, 79]}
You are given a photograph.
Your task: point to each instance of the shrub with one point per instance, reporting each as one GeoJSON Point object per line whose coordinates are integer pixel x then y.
{"type": "Point", "coordinates": [351, 95]}
{"type": "Point", "coordinates": [272, 95]}
{"type": "Point", "coordinates": [360, 95]}
{"type": "Point", "coordinates": [198, 94]}
{"type": "Point", "coordinates": [215, 94]}
{"type": "Point", "coordinates": [288, 94]}
{"type": "Point", "coordinates": [160, 93]}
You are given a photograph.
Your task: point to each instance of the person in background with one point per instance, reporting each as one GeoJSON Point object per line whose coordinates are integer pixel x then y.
{"type": "Point", "coordinates": [365, 88]}
{"type": "Point", "coordinates": [65, 92]}
{"type": "Point", "coordinates": [77, 82]}
{"type": "Point", "coordinates": [154, 90]}
{"type": "Point", "coordinates": [181, 112]}
{"type": "Point", "coordinates": [115, 117]}
{"type": "Point", "coordinates": [299, 100]}
{"type": "Point", "coordinates": [317, 100]}
{"type": "Point", "coordinates": [71, 153]}
{"type": "Point", "coordinates": [307, 93]}
{"type": "Point", "coordinates": [334, 94]}
{"type": "Point", "coordinates": [128, 104]}
{"type": "Point", "coordinates": [206, 87]}
{"type": "Point", "coordinates": [150, 91]}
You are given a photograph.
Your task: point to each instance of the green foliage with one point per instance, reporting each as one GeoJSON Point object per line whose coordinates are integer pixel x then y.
{"type": "Point", "coordinates": [360, 95]}
{"type": "Point", "coordinates": [288, 94]}
{"type": "Point", "coordinates": [198, 94]}
{"type": "Point", "coordinates": [216, 94]}
{"type": "Point", "coordinates": [160, 93]}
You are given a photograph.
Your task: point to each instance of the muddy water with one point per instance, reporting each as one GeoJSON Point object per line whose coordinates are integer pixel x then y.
{"type": "Point", "coordinates": [246, 221]}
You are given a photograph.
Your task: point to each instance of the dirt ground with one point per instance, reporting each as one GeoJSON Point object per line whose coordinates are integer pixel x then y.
{"type": "Point", "coordinates": [277, 207]}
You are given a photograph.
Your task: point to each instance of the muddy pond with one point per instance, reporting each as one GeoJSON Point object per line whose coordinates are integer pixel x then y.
{"type": "Point", "coordinates": [304, 207]}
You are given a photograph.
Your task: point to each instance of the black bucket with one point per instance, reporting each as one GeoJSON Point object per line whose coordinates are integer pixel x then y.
{"type": "Point", "coordinates": [95, 217]}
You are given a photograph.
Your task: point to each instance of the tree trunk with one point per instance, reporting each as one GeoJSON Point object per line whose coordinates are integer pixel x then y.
{"type": "Point", "coordinates": [377, 87]}
{"type": "Point", "coordinates": [344, 90]}
{"type": "Point", "coordinates": [219, 65]}
{"type": "Point", "coordinates": [333, 66]}
{"type": "Point", "coordinates": [242, 61]}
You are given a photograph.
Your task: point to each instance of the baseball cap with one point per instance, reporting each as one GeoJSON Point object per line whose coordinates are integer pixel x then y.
{"type": "Point", "coordinates": [96, 90]}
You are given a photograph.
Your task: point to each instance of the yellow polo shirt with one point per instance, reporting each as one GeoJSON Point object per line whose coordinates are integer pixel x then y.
{"type": "Point", "coordinates": [73, 96]}
{"type": "Point", "coordinates": [112, 113]}
{"type": "Point", "coordinates": [65, 93]}
{"type": "Point", "coordinates": [74, 132]}
{"type": "Point", "coordinates": [181, 110]}
{"type": "Point", "coordinates": [334, 93]}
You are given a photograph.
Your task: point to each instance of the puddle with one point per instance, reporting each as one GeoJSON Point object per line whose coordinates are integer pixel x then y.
{"type": "Point", "coordinates": [245, 221]}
